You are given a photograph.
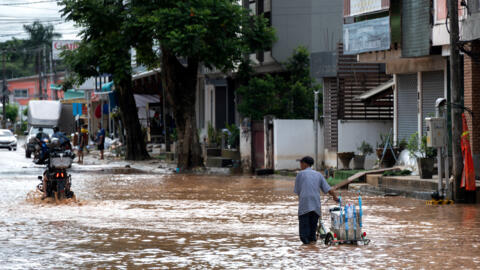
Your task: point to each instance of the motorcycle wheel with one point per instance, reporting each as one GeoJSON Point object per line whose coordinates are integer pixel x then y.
{"type": "Point", "coordinates": [40, 187]}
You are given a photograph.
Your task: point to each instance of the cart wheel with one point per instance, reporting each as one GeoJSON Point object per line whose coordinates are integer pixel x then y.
{"type": "Point", "coordinates": [329, 239]}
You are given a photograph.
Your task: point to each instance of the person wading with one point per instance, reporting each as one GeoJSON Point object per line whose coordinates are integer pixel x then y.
{"type": "Point", "coordinates": [308, 185]}
{"type": "Point", "coordinates": [100, 139]}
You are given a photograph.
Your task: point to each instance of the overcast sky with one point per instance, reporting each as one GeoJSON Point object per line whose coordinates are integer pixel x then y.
{"type": "Point", "coordinates": [15, 13]}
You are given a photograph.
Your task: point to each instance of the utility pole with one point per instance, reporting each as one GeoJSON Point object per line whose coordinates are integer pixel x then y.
{"type": "Point", "coordinates": [53, 75]}
{"type": "Point", "coordinates": [45, 77]}
{"type": "Point", "coordinates": [4, 93]}
{"type": "Point", "coordinates": [456, 112]}
{"type": "Point", "coordinates": [39, 70]}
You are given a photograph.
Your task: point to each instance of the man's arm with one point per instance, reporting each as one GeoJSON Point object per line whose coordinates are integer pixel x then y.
{"type": "Point", "coordinates": [296, 189]}
{"type": "Point", "coordinates": [333, 194]}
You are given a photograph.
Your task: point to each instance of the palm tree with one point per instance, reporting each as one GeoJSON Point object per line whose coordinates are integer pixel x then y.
{"type": "Point", "coordinates": [40, 36]}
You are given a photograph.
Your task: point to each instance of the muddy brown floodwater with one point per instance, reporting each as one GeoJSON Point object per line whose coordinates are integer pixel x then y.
{"type": "Point", "coordinates": [218, 222]}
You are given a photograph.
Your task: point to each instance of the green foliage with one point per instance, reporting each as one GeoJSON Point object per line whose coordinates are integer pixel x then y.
{"type": "Point", "coordinates": [402, 144]}
{"type": "Point", "coordinates": [107, 37]}
{"type": "Point", "coordinates": [260, 97]}
{"type": "Point", "coordinates": [22, 55]}
{"type": "Point", "coordinates": [286, 97]}
{"type": "Point", "coordinates": [11, 111]}
{"type": "Point", "coordinates": [174, 135]}
{"type": "Point", "coordinates": [365, 148]}
{"type": "Point", "coordinates": [25, 111]}
{"type": "Point", "coordinates": [215, 32]}
{"type": "Point", "coordinates": [384, 138]}
{"type": "Point", "coordinates": [420, 150]}
{"type": "Point", "coordinates": [397, 173]}
{"type": "Point", "coordinates": [234, 136]}
{"type": "Point", "coordinates": [213, 136]}
{"type": "Point", "coordinates": [23, 127]}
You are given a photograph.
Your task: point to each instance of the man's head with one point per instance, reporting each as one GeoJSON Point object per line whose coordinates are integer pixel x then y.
{"type": "Point", "coordinates": [306, 162]}
{"type": "Point", "coordinates": [56, 129]}
{"type": "Point", "coordinates": [40, 129]}
{"type": "Point", "coordinates": [99, 125]}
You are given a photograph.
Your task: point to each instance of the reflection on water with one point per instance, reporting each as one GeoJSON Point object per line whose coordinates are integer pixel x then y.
{"type": "Point", "coordinates": [204, 222]}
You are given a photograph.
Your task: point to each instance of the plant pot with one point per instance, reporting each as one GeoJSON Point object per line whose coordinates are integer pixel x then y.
{"type": "Point", "coordinates": [388, 160]}
{"type": "Point", "coordinates": [359, 162]}
{"type": "Point", "coordinates": [345, 158]}
{"type": "Point", "coordinates": [425, 167]}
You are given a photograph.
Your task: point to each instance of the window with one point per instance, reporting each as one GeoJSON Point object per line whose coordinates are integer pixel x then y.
{"type": "Point", "coordinates": [20, 93]}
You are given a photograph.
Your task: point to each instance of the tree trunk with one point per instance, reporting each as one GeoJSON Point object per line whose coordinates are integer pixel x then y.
{"type": "Point", "coordinates": [180, 85]}
{"type": "Point", "coordinates": [135, 140]}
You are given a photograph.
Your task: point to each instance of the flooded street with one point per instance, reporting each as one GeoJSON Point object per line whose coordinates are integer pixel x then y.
{"type": "Point", "coordinates": [145, 221]}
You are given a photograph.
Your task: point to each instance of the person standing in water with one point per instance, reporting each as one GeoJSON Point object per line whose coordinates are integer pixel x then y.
{"type": "Point", "coordinates": [308, 185]}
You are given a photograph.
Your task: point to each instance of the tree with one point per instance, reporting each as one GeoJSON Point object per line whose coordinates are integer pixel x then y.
{"type": "Point", "coordinates": [215, 33]}
{"type": "Point", "coordinates": [11, 111]}
{"type": "Point", "coordinates": [287, 96]}
{"type": "Point", "coordinates": [107, 37]}
{"type": "Point", "coordinates": [40, 39]}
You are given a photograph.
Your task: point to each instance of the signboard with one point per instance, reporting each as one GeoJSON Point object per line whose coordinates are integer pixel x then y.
{"type": "Point", "coordinates": [358, 7]}
{"type": "Point", "coordinates": [367, 36]}
{"type": "Point", "coordinates": [59, 45]}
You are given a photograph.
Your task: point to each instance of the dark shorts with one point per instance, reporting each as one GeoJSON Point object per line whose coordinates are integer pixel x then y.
{"type": "Point", "coordinates": [101, 146]}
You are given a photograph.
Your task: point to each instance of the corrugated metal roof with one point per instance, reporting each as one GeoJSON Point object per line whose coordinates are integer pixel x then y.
{"type": "Point", "coordinates": [372, 92]}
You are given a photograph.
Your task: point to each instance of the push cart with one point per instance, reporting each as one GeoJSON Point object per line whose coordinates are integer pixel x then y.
{"type": "Point", "coordinates": [345, 225]}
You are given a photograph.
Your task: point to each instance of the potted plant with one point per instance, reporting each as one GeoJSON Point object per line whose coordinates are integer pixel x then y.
{"type": "Point", "coordinates": [424, 155]}
{"type": "Point", "coordinates": [359, 160]}
{"type": "Point", "coordinates": [388, 158]}
{"type": "Point", "coordinates": [402, 145]}
{"type": "Point", "coordinates": [345, 158]}
{"type": "Point", "coordinates": [213, 137]}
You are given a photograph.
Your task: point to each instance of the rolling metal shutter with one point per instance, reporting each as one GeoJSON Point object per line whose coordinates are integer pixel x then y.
{"type": "Point", "coordinates": [407, 106]}
{"type": "Point", "coordinates": [433, 88]}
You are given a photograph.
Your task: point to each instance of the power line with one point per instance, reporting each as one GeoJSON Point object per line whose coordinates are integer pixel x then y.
{"type": "Point", "coordinates": [29, 3]}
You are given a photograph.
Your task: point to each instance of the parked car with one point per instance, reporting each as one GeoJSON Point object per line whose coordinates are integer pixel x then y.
{"type": "Point", "coordinates": [8, 140]}
{"type": "Point", "coordinates": [30, 139]}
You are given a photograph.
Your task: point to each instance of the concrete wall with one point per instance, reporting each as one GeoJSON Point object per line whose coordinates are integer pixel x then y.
{"type": "Point", "coordinates": [246, 145]}
{"type": "Point", "coordinates": [315, 24]}
{"type": "Point", "coordinates": [294, 139]}
{"type": "Point", "coordinates": [351, 133]}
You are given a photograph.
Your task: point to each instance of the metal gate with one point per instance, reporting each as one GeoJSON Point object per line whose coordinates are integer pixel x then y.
{"type": "Point", "coordinates": [407, 106]}
{"type": "Point", "coordinates": [258, 145]}
{"type": "Point", "coordinates": [432, 88]}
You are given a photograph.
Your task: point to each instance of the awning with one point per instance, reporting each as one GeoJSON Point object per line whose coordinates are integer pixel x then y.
{"type": "Point", "coordinates": [375, 91]}
{"type": "Point", "coordinates": [106, 89]}
{"type": "Point", "coordinates": [74, 96]}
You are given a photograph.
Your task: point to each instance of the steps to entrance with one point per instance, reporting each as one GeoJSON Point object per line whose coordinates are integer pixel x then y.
{"type": "Point", "coordinates": [214, 152]}
{"type": "Point", "coordinates": [219, 162]}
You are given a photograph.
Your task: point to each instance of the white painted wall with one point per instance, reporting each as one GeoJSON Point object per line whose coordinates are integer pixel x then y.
{"type": "Point", "coordinates": [246, 145]}
{"type": "Point", "coordinates": [294, 139]}
{"type": "Point", "coordinates": [351, 133]}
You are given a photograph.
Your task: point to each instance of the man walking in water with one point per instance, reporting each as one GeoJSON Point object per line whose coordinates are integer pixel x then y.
{"type": "Point", "coordinates": [308, 185]}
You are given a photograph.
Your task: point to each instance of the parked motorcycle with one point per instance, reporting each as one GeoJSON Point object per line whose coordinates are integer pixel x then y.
{"type": "Point", "coordinates": [56, 182]}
